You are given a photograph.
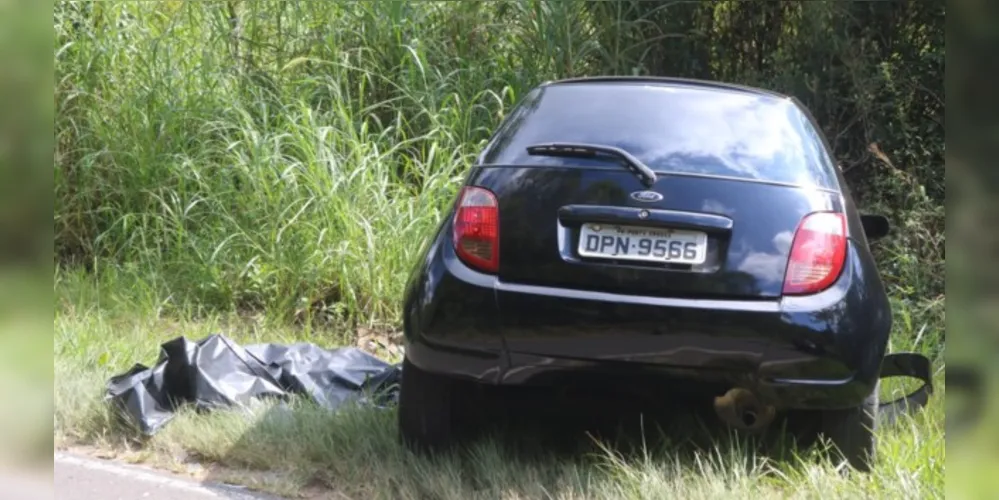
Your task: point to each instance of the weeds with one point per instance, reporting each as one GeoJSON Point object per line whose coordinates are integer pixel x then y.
{"type": "Point", "coordinates": [272, 169]}
{"type": "Point", "coordinates": [290, 158]}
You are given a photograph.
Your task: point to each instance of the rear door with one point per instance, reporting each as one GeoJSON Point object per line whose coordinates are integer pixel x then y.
{"type": "Point", "coordinates": [704, 238]}
{"type": "Point", "coordinates": [737, 172]}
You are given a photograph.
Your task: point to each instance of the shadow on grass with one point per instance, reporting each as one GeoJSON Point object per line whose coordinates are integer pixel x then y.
{"type": "Point", "coordinates": [533, 445]}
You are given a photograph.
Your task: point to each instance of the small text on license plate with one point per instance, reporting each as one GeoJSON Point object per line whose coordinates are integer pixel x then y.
{"type": "Point", "coordinates": [642, 244]}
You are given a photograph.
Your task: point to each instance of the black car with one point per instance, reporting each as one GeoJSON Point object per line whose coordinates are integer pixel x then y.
{"type": "Point", "coordinates": [663, 227]}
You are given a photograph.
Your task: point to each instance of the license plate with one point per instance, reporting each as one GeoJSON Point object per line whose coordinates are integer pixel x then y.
{"type": "Point", "coordinates": [645, 244]}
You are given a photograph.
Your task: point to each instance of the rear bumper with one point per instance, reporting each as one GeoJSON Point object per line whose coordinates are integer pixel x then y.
{"type": "Point", "coordinates": [817, 352]}
{"type": "Point", "coordinates": [531, 369]}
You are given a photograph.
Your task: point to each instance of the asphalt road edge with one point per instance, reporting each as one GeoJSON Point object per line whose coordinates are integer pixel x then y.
{"type": "Point", "coordinates": [137, 473]}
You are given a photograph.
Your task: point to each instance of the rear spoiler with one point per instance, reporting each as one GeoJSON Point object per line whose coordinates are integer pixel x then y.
{"type": "Point", "coordinates": [906, 364]}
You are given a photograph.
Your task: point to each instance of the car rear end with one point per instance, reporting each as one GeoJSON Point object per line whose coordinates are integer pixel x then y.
{"type": "Point", "coordinates": [741, 264]}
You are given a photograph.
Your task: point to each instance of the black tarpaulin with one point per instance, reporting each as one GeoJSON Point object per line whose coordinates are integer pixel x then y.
{"type": "Point", "coordinates": [215, 372]}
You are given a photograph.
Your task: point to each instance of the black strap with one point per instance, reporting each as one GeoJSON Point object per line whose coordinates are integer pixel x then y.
{"type": "Point", "coordinates": [906, 364]}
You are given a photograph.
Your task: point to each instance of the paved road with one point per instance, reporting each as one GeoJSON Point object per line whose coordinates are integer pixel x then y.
{"type": "Point", "coordinates": [82, 478]}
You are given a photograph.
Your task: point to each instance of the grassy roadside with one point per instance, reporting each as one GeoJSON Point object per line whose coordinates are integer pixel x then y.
{"type": "Point", "coordinates": [268, 170]}
{"type": "Point", "coordinates": [103, 327]}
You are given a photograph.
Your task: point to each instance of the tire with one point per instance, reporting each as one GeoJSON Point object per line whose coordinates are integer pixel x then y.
{"type": "Point", "coordinates": [434, 410]}
{"type": "Point", "coordinates": [852, 431]}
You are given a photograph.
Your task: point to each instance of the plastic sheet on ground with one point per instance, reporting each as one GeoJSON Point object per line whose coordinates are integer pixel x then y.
{"type": "Point", "coordinates": [215, 372]}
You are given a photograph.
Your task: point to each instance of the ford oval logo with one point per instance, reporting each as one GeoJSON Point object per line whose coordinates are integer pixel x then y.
{"type": "Point", "coordinates": [646, 196]}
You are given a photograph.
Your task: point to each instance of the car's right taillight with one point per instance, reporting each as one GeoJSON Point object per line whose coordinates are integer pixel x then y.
{"type": "Point", "coordinates": [476, 229]}
{"type": "Point", "coordinates": [818, 252]}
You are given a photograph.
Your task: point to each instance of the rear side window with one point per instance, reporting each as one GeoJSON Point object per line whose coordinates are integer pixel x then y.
{"type": "Point", "coordinates": [671, 129]}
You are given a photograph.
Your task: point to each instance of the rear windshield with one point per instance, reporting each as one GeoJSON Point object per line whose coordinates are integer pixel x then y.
{"type": "Point", "coordinates": [671, 129]}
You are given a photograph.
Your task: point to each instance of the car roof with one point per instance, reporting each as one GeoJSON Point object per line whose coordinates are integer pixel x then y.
{"type": "Point", "coordinates": [670, 82]}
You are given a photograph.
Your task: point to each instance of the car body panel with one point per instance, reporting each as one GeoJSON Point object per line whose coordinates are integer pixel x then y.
{"type": "Point", "coordinates": [818, 351]}
{"type": "Point", "coordinates": [548, 313]}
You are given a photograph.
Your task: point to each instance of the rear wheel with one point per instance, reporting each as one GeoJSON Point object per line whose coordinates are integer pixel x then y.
{"type": "Point", "coordinates": [852, 431]}
{"type": "Point", "coordinates": [434, 410]}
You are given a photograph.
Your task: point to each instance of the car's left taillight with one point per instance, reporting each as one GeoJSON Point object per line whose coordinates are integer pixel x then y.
{"type": "Point", "coordinates": [818, 252]}
{"type": "Point", "coordinates": [476, 229]}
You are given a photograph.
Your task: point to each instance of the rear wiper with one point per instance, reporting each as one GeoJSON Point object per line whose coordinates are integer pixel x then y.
{"type": "Point", "coordinates": [580, 150]}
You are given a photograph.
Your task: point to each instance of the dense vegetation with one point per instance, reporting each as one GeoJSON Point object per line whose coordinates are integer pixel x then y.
{"type": "Point", "coordinates": [288, 158]}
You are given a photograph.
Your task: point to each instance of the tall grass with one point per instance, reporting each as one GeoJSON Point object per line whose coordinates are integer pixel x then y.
{"type": "Point", "coordinates": [290, 158]}
{"type": "Point", "coordinates": [289, 192]}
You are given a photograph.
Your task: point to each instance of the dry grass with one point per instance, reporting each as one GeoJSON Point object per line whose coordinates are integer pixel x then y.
{"type": "Point", "coordinates": [355, 452]}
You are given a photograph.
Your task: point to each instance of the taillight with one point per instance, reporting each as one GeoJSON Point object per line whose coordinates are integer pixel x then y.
{"type": "Point", "coordinates": [476, 229]}
{"type": "Point", "coordinates": [818, 251]}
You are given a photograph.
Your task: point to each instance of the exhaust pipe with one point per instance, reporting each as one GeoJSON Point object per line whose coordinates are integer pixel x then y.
{"type": "Point", "coordinates": [740, 408]}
